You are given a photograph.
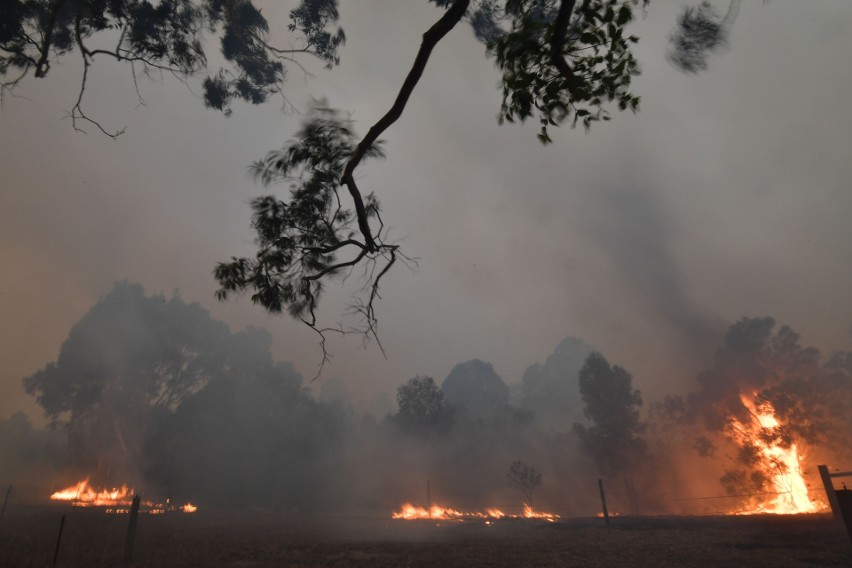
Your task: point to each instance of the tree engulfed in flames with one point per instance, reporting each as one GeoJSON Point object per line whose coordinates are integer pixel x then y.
{"type": "Point", "coordinates": [115, 500]}
{"type": "Point", "coordinates": [779, 462]}
{"type": "Point", "coordinates": [411, 512]}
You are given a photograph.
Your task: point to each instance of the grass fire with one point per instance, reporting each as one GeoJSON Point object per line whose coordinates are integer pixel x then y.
{"type": "Point", "coordinates": [411, 512]}
{"type": "Point", "coordinates": [115, 500]}
{"type": "Point", "coordinates": [238, 438]}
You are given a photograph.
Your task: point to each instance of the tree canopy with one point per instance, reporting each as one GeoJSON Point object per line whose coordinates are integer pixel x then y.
{"type": "Point", "coordinates": [612, 405]}
{"type": "Point", "coordinates": [153, 391]}
{"type": "Point", "coordinates": [561, 61]}
{"type": "Point", "coordinates": [475, 386]}
{"type": "Point", "coordinates": [808, 393]}
{"type": "Point", "coordinates": [133, 358]}
{"type": "Point", "coordinates": [166, 36]}
{"type": "Point", "coordinates": [615, 439]}
{"type": "Point", "coordinates": [422, 407]}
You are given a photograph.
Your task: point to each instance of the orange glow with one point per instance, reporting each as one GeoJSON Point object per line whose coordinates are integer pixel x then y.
{"type": "Point", "coordinates": [436, 512]}
{"type": "Point", "coordinates": [116, 500]}
{"type": "Point", "coordinates": [84, 495]}
{"type": "Point", "coordinates": [789, 492]}
{"type": "Point", "coordinates": [530, 513]}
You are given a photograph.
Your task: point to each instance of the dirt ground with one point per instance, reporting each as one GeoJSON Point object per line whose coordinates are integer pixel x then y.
{"type": "Point", "coordinates": [255, 539]}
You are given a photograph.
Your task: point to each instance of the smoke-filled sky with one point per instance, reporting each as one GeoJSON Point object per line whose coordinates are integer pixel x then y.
{"type": "Point", "coordinates": [727, 195]}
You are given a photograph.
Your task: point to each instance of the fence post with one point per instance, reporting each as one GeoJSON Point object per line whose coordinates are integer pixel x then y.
{"type": "Point", "coordinates": [58, 540]}
{"type": "Point", "coordinates": [603, 501]}
{"type": "Point", "coordinates": [131, 531]}
{"type": "Point", "coordinates": [828, 485]}
{"type": "Point", "coordinates": [6, 500]}
{"type": "Point", "coordinates": [844, 500]}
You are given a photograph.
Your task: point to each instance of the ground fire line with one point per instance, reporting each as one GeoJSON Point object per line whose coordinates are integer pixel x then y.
{"type": "Point", "coordinates": [114, 500]}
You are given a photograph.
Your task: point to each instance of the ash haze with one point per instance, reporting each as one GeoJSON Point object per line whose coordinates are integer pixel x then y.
{"type": "Point", "coordinates": [727, 195]}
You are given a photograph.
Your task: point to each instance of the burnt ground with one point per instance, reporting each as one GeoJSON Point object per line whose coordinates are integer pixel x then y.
{"type": "Point", "coordinates": [254, 539]}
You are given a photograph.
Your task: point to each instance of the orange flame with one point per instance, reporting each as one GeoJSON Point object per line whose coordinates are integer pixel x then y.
{"type": "Point", "coordinates": [529, 513]}
{"type": "Point", "coordinates": [782, 465]}
{"type": "Point", "coordinates": [436, 512]}
{"type": "Point", "coordinates": [116, 500]}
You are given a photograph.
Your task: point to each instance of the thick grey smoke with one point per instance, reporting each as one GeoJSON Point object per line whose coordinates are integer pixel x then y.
{"type": "Point", "coordinates": [638, 236]}
{"type": "Point", "coordinates": [550, 390]}
{"type": "Point", "coordinates": [152, 392]}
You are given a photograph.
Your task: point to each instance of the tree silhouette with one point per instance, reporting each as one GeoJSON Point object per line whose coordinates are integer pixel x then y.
{"type": "Point", "coordinates": [614, 439]}
{"type": "Point", "coordinates": [477, 387]}
{"type": "Point", "coordinates": [560, 61]}
{"type": "Point", "coordinates": [809, 395]}
{"type": "Point", "coordinates": [557, 62]}
{"type": "Point", "coordinates": [132, 359]}
{"type": "Point", "coordinates": [165, 36]}
{"type": "Point", "coordinates": [524, 477]}
{"type": "Point", "coordinates": [700, 32]}
{"type": "Point", "coordinates": [422, 408]}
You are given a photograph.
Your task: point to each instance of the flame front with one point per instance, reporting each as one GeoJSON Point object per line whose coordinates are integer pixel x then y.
{"type": "Point", "coordinates": [530, 513]}
{"type": "Point", "coordinates": [436, 512]}
{"type": "Point", "coordinates": [115, 500]}
{"type": "Point", "coordinates": [781, 464]}
{"type": "Point", "coordinates": [84, 495]}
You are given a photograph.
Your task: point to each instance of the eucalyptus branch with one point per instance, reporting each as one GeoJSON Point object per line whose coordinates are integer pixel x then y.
{"type": "Point", "coordinates": [9, 86]}
{"type": "Point", "coordinates": [42, 65]}
{"type": "Point", "coordinates": [430, 39]}
{"type": "Point", "coordinates": [335, 267]}
{"type": "Point", "coordinates": [560, 29]}
{"type": "Point", "coordinates": [77, 112]}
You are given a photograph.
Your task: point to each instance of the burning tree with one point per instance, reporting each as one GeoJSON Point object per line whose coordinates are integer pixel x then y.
{"type": "Point", "coordinates": [772, 406]}
{"type": "Point", "coordinates": [524, 477]}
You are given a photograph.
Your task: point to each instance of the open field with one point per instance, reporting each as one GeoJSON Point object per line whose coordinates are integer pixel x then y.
{"type": "Point", "coordinates": [254, 539]}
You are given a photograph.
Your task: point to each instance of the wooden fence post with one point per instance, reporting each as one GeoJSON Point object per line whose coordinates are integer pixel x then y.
{"type": "Point", "coordinates": [131, 531]}
{"type": "Point", "coordinates": [603, 501]}
{"type": "Point", "coordinates": [830, 492]}
{"type": "Point", "coordinates": [844, 501]}
{"type": "Point", "coordinates": [58, 540]}
{"type": "Point", "coordinates": [6, 500]}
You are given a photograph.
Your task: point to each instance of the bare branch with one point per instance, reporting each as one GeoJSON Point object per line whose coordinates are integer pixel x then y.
{"type": "Point", "coordinates": [9, 86]}
{"type": "Point", "coordinates": [430, 39]}
{"type": "Point", "coordinates": [77, 110]}
{"type": "Point", "coordinates": [336, 267]}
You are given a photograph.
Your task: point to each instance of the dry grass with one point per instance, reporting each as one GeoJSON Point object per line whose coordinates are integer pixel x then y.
{"type": "Point", "coordinates": [253, 539]}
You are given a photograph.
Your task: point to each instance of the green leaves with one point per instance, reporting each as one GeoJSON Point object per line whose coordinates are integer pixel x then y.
{"type": "Point", "coordinates": [613, 439]}
{"type": "Point", "coordinates": [166, 35]}
{"type": "Point", "coordinates": [599, 63]}
{"type": "Point", "coordinates": [298, 240]}
{"type": "Point", "coordinates": [312, 19]}
{"type": "Point", "coordinates": [699, 32]}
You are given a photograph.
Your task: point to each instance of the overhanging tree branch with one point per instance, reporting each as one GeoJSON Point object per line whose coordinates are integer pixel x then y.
{"type": "Point", "coordinates": [42, 65]}
{"type": "Point", "coordinates": [430, 39]}
{"type": "Point", "coordinates": [560, 30]}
